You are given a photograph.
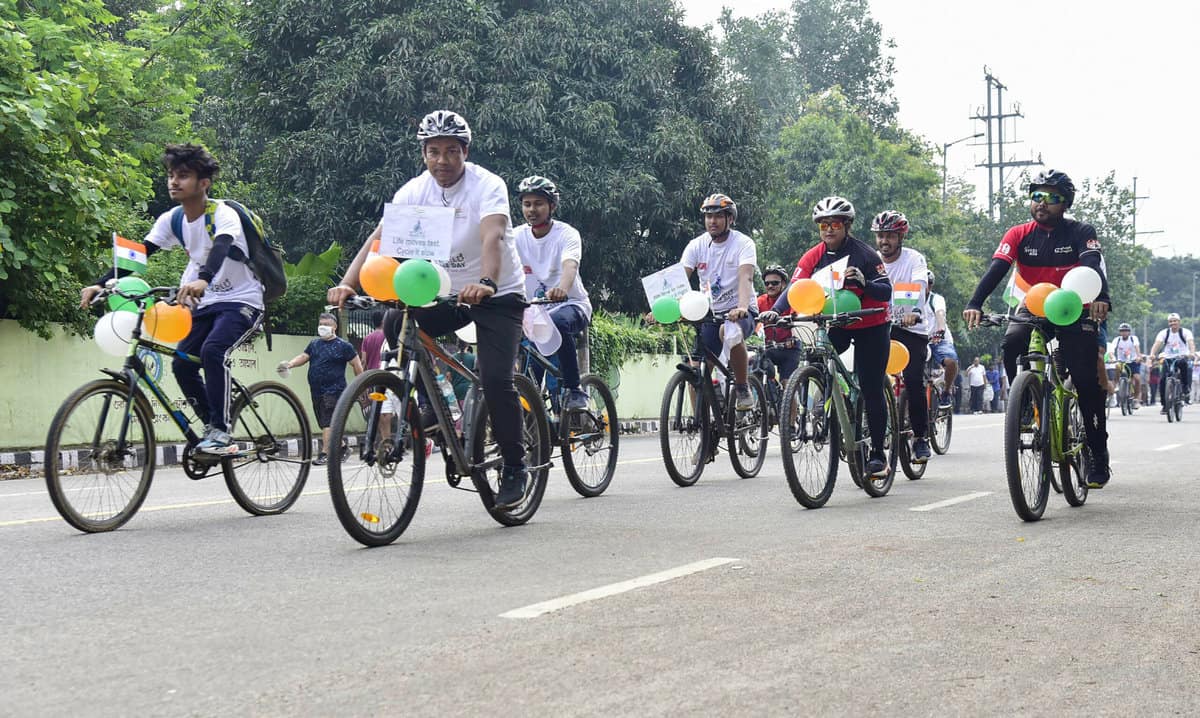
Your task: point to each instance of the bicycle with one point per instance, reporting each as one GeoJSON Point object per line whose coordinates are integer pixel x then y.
{"type": "Point", "coordinates": [826, 405]}
{"type": "Point", "coordinates": [1043, 425]}
{"type": "Point", "coordinates": [1124, 393]}
{"type": "Point", "coordinates": [376, 496]}
{"type": "Point", "coordinates": [941, 418]}
{"type": "Point", "coordinates": [101, 449]}
{"type": "Point", "coordinates": [588, 438]}
{"type": "Point", "coordinates": [695, 417]}
{"type": "Point", "coordinates": [1172, 389]}
{"type": "Point", "coordinates": [914, 470]}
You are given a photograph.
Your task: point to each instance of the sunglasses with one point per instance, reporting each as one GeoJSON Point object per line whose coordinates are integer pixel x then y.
{"type": "Point", "coordinates": [826, 226]}
{"type": "Point", "coordinates": [772, 283]}
{"type": "Point", "coordinates": [1047, 197]}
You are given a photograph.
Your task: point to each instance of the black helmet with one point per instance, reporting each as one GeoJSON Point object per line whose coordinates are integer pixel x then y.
{"type": "Point", "coordinates": [1057, 180]}
{"type": "Point", "coordinates": [775, 269]}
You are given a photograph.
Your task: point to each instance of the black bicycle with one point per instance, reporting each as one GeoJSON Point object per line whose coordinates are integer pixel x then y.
{"type": "Point", "coordinates": [1172, 388]}
{"type": "Point", "coordinates": [698, 413]}
{"type": "Point", "coordinates": [101, 449]}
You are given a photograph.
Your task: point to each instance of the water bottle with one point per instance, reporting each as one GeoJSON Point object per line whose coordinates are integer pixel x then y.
{"type": "Point", "coordinates": [448, 396]}
{"type": "Point", "coordinates": [469, 411]}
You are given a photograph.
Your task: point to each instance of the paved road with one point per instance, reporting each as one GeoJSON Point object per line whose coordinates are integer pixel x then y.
{"type": "Point", "coordinates": [865, 607]}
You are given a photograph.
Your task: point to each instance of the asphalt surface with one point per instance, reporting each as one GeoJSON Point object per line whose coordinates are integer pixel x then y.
{"type": "Point", "coordinates": [864, 607]}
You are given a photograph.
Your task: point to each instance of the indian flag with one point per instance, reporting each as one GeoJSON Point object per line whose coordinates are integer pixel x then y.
{"type": "Point", "coordinates": [1014, 293]}
{"type": "Point", "coordinates": [906, 294]}
{"type": "Point", "coordinates": [128, 255]}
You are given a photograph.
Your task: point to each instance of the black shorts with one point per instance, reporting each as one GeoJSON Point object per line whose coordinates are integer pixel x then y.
{"type": "Point", "coordinates": [323, 407]}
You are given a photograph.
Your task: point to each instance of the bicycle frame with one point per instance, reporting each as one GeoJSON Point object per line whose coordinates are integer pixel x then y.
{"type": "Point", "coordinates": [841, 384]}
{"type": "Point", "coordinates": [702, 381]}
{"type": "Point", "coordinates": [1036, 359]}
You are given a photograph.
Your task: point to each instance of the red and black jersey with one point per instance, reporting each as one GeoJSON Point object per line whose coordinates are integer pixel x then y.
{"type": "Point", "coordinates": [774, 334]}
{"type": "Point", "coordinates": [1045, 254]}
{"type": "Point", "coordinates": [878, 290]}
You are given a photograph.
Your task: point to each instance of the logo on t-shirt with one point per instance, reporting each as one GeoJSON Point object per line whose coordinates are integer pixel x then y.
{"type": "Point", "coordinates": [1093, 244]}
{"type": "Point", "coordinates": [528, 269]}
{"type": "Point", "coordinates": [702, 266]}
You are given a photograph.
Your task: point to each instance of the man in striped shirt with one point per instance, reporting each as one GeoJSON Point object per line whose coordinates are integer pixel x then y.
{"type": "Point", "coordinates": [910, 276]}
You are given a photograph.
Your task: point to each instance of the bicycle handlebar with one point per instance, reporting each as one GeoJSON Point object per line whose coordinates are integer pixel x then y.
{"type": "Point", "coordinates": [167, 293]}
{"type": "Point", "coordinates": [366, 302]}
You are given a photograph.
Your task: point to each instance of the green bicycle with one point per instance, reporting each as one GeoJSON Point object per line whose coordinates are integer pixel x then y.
{"type": "Point", "coordinates": [1043, 425]}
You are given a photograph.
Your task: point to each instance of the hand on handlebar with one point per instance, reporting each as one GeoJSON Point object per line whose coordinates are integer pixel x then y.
{"type": "Point", "coordinates": [972, 317]}
{"type": "Point", "coordinates": [338, 295]}
{"type": "Point", "coordinates": [190, 293]}
{"type": "Point", "coordinates": [768, 317]}
{"type": "Point", "coordinates": [87, 296]}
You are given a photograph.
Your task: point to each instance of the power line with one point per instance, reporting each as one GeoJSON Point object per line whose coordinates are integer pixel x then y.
{"type": "Point", "coordinates": [995, 117]}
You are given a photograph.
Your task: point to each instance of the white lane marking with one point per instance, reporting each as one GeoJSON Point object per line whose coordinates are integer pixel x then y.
{"type": "Point", "coordinates": [612, 589]}
{"type": "Point", "coordinates": [1168, 447]}
{"type": "Point", "coordinates": [950, 502]}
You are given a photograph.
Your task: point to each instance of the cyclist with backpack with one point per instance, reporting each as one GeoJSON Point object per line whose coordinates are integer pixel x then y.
{"type": "Point", "coordinates": [220, 286]}
{"type": "Point", "coordinates": [1177, 343]}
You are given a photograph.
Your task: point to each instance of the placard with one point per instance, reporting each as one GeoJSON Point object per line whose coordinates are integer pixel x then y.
{"type": "Point", "coordinates": [669, 282]}
{"type": "Point", "coordinates": [415, 231]}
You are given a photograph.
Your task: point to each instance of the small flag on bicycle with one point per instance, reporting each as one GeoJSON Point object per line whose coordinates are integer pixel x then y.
{"type": "Point", "coordinates": [1014, 293]}
{"type": "Point", "coordinates": [128, 255]}
{"type": "Point", "coordinates": [906, 294]}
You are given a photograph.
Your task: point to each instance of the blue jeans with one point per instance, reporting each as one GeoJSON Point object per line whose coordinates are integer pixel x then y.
{"type": "Point", "coordinates": [216, 330]}
{"type": "Point", "coordinates": [571, 321]}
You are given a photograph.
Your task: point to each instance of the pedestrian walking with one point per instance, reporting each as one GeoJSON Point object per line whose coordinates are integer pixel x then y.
{"type": "Point", "coordinates": [976, 380]}
{"type": "Point", "coordinates": [328, 355]}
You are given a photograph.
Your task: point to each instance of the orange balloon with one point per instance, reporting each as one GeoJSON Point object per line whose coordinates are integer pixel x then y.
{"type": "Point", "coordinates": [167, 323]}
{"type": "Point", "coordinates": [897, 358]}
{"type": "Point", "coordinates": [376, 277]}
{"type": "Point", "coordinates": [805, 296]}
{"type": "Point", "coordinates": [1035, 298]}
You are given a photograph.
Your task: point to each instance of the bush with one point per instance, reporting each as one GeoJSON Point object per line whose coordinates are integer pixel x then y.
{"type": "Point", "coordinates": [297, 311]}
{"type": "Point", "coordinates": [614, 337]}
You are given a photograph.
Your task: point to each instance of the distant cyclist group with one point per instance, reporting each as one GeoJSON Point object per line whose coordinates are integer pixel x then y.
{"type": "Point", "coordinates": [495, 270]}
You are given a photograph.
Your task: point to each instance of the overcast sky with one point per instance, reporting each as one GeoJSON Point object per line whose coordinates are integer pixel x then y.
{"type": "Point", "coordinates": [1104, 86]}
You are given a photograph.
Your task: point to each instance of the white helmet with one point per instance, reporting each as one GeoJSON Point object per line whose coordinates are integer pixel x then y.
{"type": "Point", "coordinates": [833, 207]}
{"type": "Point", "coordinates": [1173, 315]}
{"type": "Point", "coordinates": [444, 123]}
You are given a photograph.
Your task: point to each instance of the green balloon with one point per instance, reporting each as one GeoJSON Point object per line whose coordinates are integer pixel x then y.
{"type": "Point", "coordinates": [847, 301]}
{"type": "Point", "coordinates": [129, 285]}
{"type": "Point", "coordinates": [1063, 307]}
{"type": "Point", "coordinates": [666, 310]}
{"type": "Point", "coordinates": [416, 282]}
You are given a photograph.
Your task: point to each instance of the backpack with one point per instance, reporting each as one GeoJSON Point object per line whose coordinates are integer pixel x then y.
{"type": "Point", "coordinates": [265, 260]}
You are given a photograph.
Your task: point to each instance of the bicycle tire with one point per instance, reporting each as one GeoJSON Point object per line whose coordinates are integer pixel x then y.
{"type": "Point", "coordinates": [914, 471]}
{"type": "Point", "coordinates": [941, 430]}
{"type": "Point", "coordinates": [599, 426]}
{"type": "Point", "coordinates": [269, 473]}
{"type": "Point", "coordinates": [809, 444]}
{"type": "Point", "coordinates": [372, 505]}
{"type": "Point", "coordinates": [1172, 392]}
{"type": "Point", "coordinates": [536, 438]}
{"type": "Point", "coordinates": [684, 429]}
{"type": "Point", "coordinates": [1123, 396]}
{"type": "Point", "coordinates": [878, 486]}
{"type": "Point", "coordinates": [1025, 447]}
{"type": "Point", "coordinates": [1072, 470]}
{"type": "Point", "coordinates": [63, 481]}
{"type": "Point", "coordinates": [743, 441]}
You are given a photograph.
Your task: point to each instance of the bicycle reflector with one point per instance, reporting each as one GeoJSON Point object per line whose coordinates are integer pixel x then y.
{"type": "Point", "coordinates": [370, 518]}
{"type": "Point", "coordinates": [377, 396]}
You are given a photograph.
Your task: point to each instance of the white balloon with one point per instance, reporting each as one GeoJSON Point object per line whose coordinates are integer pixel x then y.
{"type": "Point", "coordinates": [444, 275]}
{"type": "Point", "coordinates": [467, 333]}
{"type": "Point", "coordinates": [693, 305]}
{"type": "Point", "coordinates": [1084, 281]}
{"type": "Point", "coordinates": [114, 332]}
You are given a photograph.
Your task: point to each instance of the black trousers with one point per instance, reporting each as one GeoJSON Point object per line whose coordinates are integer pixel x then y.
{"type": "Point", "coordinates": [498, 330]}
{"type": "Point", "coordinates": [870, 362]}
{"type": "Point", "coordinates": [1078, 347]}
{"type": "Point", "coordinates": [914, 378]}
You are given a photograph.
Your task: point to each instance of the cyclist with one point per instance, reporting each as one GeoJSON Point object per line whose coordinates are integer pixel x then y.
{"type": "Point", "coordinates": [725, 261]}
{"type": "Point", "coordinates": [1176, 342]}
{"type": "Point", "coordinates": [551, 250]}
{"type": "Point", "coordinates": [225, 297]}
{"type": "Point", "coordinates": [785, 356]}
{"type": "Point", "coordinates": [485, 271]}
{"type": "Point", "coordinates": [1044, 250]}
{"type": "Point", "coordinates": [866, 276]}
{"type": "Point", "coordinates": [907, 269]}
{"type": "Point", "coordinates": [1127, 350]}
{"type": "Point", "coordinates": [941, 342]}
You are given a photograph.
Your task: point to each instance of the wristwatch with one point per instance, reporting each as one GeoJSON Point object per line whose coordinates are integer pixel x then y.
{"type": "Point", "coordinates": [487, 282]}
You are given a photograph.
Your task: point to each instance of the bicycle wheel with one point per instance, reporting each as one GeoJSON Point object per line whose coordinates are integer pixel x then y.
{"type": "Point", "coordinates": [1177, 404]}
{"type": "Point", "coordinates": [485, 453]}
{"type": "Point", "coordinates": [268, 474]}
{"type": "Point", "coordinates": [808, 431]}
{"type": "Point", "coordinates": [376, 492]}
{"type": "Point", "coordinates": [96, 481]}
{"type": "Point", "coordinates": [684, 430]}
{"type": "Point", "coordinates": [1026, 458]}
{"type": "Point", "coordinates": [1123, 396]}
{"type": "Point", "coordinates": [1076, 460]}
{"type": "Point", "coordinates": [912, 470]}
{"type": "Point", "coordinates": [1172, 394]}
{"type": "Point", "coordinates": [590, 439]}
{"type": "Point", "coordinates": [941, 430]}
{"type": "Point", "coordinates": [878, 486]}
{"type": "Point", "coordinates": [748, 440]}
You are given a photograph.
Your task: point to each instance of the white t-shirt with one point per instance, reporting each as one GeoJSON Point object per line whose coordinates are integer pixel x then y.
{"type": "Point", "coordinates": [477, 195]}
{"type": "Point", "coordinates": [1125, 350]}
{"type": "Point", "coordinates": [934, 304]}
{"type": "Point", "coordinates": [717, 265]}
{"type": "Point", "coordinates": [543, 259]}
{"type": "Point", "coordinates": [1174, 343]}
{"type": "Point", "coordinates": [976, 375]}
{"type": "Point", "coordinates": [234, 282]}
{"type": "Point", "coordinates": [909, 268]}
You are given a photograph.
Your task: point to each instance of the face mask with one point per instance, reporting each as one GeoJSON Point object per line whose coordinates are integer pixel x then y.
{"type": "Point", "coordinates": [324, 332]}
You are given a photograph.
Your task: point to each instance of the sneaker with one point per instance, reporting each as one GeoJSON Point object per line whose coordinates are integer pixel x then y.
{"type": "Point", "coordinates": [576, 400]}
{"type": "Point", "coordinates": [944, 400]}
{"type": "Point", "coordinates": [512, 487]}
{"type": "Point", "coordinates": [321, 459]}
{"type": "Point", "coordinates": [744, 402]}
{"type": "Point", "coordinates": [217, 442]}
{"type": "Point", "coordinates": [1162, 410]}
{"type": "Point", "coordinates": [876, 466]}
{"type": "Point", "coordinates": [920, 451]}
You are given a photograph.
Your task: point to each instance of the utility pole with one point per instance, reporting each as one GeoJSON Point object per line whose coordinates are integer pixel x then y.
{"type": "Point", "coordinates": [996, 163]}
{"type": "Point", "coordinates": [945, 148]}
{"type": "Point", "coordinates": [1146, 271]}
